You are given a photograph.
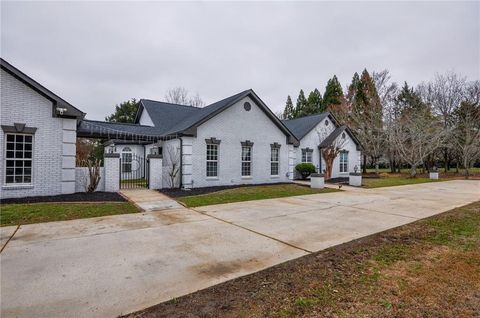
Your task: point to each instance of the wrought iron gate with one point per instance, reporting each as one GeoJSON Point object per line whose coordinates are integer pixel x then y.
{"type": "Point", "coordinates": [133, 171]}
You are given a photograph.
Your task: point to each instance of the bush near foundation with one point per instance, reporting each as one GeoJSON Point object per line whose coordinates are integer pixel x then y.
{"type": "Point", "coordinates": [305, 169]}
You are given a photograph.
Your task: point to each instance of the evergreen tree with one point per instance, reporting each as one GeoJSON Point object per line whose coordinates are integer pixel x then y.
{"type": "Point", "coordinates": [408, 101]}
{"type": "Point", "coordinates": [288, 111]}
{"type": "Point", "coordinates": [333, 93]}
{"type": "Point", "coordinates": [353, 88]}
{"type": "Point", "coordinates": [124, 112]}
{"type": "Point", "coordinates": [314, 102]}
{"type": "Point", "coordinates": [301, 108]}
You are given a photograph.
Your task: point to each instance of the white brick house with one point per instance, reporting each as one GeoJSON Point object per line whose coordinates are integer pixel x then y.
{"type": "Point", "coordinates": [37, 138]}
{"type": "Point", "coordinates": [237, 140]}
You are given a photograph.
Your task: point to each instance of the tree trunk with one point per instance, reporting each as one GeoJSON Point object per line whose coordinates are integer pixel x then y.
{"type": "Point", "coordinates": [445, 158]}
{"type": "Point", "coordinates": [376, 168]}
{"type": "Point", "coordinates": [392, 166]}
{"type": "Point", "coordinates": [413, 171]}
{"type": "Point", "coordinates": [364, 168]}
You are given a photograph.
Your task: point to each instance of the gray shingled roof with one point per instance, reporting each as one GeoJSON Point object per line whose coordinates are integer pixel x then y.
{"type": "Point", "coordinates": [303, 125]}
{"type": "Point", "coordinates": [171, 119]}
{"type": "Point", "coordinates": [337, 132]}
{"type": "Point", "coordinates": [166, 116]}
{"type": "Point", "coordinates": [101, 129]}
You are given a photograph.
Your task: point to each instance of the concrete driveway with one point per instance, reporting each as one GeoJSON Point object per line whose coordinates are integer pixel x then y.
{"type": "Point", "coordinates": [103, 267]}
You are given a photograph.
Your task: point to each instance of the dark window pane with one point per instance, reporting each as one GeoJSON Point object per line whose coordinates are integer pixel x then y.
{"type": "Point", "coordinates": [9, 171]}
{"type": "Point", "coordinates": [28, 154]}
{"type": "Point", "coordinates": [27, 171]}
{"type": "Point", "coordinates": [28, 163]}
{"type": "Point", "coordinates": [10, 163]}
{"type": "Point", "coordinates": [18, 179]}
{"type": "Point", "coordinates": [10, 137]}
{"type": "Point", "coordinates": [10, 145]}
{"type": "Point", "coordinates": [19, 154]}
{"type": "Point", "coordinates": [9, 179]}
{"type": "Point", "coordinates": [28, 138]}
{"type": "Point", "coordinates": [19, 163]}
{"type": "Point", "coordinates": [19, 146]}
{"type": "Point", "coordinates": [19, 138]}
{"type": "Point", "coordinates": [28, 146]}
{"type": "Point", "coordinates": [10, 154]}
{"type": "Point", "coordinates": [19, 171]}
{"type": "Point", "coordinates": [27, 179]}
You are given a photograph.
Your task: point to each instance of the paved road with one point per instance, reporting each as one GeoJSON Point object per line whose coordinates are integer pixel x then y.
{"type": "Point", "coordinates": [107, 266]}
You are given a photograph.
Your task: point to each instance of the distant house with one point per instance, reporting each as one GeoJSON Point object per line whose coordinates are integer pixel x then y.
{"type": "Point", "coordinates": [237, 140]}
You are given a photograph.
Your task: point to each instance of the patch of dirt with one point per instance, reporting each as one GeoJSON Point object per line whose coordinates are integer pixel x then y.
{"type": "Point", "coordinates": [396, 273]}
{"type": "Point", "coordinates": [74, 197]}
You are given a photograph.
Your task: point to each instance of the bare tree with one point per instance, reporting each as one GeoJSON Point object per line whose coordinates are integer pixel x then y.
{"type": "Point", "coordinates": [444, 94]}
{"type": "Point", "coordinates": [171, 164]}
{"type": "Point", "coordinates": [417, 135]}
{"type": "Point", "coordinates": [387, 92]}
{"type": "Point", "coordinates": [181, 96]}
{"type": "Point", "coordinates": [91, 180]}
{"type": "Point", "coordinates": [330, 152]}
{"type": "Point", "coordinates": [466, 137]}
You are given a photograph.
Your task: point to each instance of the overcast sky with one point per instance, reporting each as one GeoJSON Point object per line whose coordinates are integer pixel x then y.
{"type": "Point", "coordinates": [97, 54]}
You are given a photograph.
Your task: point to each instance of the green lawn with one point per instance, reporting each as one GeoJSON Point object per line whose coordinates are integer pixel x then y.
{"type": "Point", "coordinates": [250, 193]}
{"type": "Point", "coordinates": [391, 181]}
{"type": "Point", "coordinates": [17, 214]}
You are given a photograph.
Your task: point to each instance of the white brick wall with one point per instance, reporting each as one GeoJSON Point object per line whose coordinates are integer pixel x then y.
{"type": "Point", "coordinates": [54, 140]}
{"type": "Point", "coordinates": [155, 177]}
{"type": "Point", "coordinates": [111, 164]}
{"type": "Point", "coordinates": [233, 126]}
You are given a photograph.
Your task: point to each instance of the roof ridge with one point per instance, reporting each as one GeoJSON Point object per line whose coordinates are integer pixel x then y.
{"type": "Point", "coordinates": [158, 101]}
{"type": "Point", "coordinates": [317, 114]}
{"type": "Point", "coordinates": [115, 123]}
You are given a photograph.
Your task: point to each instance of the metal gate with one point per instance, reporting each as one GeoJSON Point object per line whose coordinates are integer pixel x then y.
{"type": "Point", "coordinates": [133, 171]}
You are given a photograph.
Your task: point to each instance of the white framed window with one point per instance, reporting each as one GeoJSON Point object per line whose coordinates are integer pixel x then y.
{"type": "Point", "coordinates": [274, 161]}
{"type": "Point", "coordinates": [18, 159]}
{"type": "Point", "coordinates": [307, 155]}
{"type": "Point", "coordinates": [212, 160]}
{"type": "Point", "coordinates": [246, 161]}
{"type": "Point", "coordinates": [127, 157]}
{"type": "Point", "coordinates": [343, 161]}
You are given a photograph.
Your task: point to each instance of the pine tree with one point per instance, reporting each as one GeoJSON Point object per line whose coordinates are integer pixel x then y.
{"type": "Point", "coordinates": [300, 109]}
{"type": "Point", "coordinates": [314, 102]}
{"type": "Point", "coordinates": [353, 88]}
{"type": "Point", "coordinates": [288, 111]}
{"type": "Point", "coordinates": [333, 93]}
{"type": "Point", "coordinates": [124, 112]}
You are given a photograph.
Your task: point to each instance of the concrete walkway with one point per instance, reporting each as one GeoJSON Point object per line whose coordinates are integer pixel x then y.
{"type": "Point", "coordinates": [150, 200]}
{"type": "Point", "coordinates": [104, 267]}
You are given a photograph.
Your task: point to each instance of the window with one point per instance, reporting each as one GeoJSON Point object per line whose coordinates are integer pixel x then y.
{"type": "Point", "coordinates": [343, 162]}
{"type": "Point", "coordinates": [246, 161]}
{"type": "Point", "coordinates": [274, 161]}
{"type": "Point", "coordinates": [212, 160]}
{"type": "Point", "coordinates": [127, 159]}
{"type": "Point", "coordinates": [307, 155]}
{"type": "Point", "coordinates": [18, 159]}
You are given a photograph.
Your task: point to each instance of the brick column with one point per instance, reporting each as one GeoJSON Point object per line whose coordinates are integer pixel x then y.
{"type": "Point", "coordinates": [155, 171]}
{"type": "Point", "coordinates": [292, 158]}
{"type": "Point", "coordinates": [187, 168]}
{"type": "Point", "coordinates": [111, 162]}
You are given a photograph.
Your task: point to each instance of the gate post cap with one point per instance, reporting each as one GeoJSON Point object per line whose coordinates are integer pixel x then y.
{"type": "Point", "coordinates": [158, 156]}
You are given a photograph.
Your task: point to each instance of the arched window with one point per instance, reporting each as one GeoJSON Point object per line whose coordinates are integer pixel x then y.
{"type": "Point", "coordinates": [127, 159]}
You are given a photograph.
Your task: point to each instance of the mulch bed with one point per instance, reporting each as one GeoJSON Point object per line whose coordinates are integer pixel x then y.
{"type": "Point", "coordinates": [74, 197]}
{"type": "Point", "coordinates": [178, 193]}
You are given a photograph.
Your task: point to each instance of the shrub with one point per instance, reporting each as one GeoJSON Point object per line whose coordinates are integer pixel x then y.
{"type": "Point", "coordinates": [305, 169]}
